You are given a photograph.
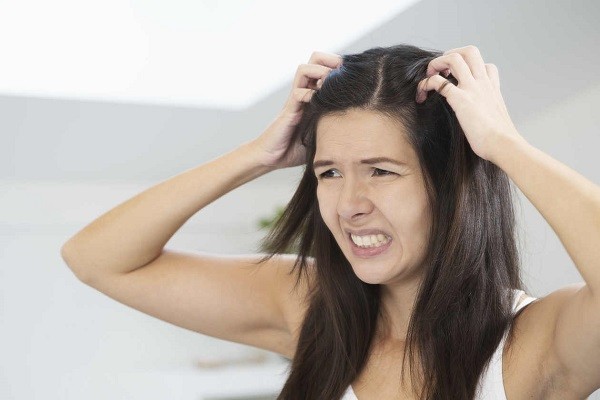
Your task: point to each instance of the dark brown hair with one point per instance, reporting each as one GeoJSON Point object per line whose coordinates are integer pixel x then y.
{"type": "Point", "coordinates": [463, 305]}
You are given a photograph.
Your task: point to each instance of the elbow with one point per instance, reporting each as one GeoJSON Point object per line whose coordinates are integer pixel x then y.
{"type": "Point", "coordinates": [63, 252]}
{"type": "Point", "coordinates": [67, 254]}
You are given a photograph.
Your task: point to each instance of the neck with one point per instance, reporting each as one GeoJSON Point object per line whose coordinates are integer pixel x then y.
{"type": "Point", "coordinates": [397, 302]}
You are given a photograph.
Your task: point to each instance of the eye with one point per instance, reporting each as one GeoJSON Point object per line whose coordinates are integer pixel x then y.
{"type": "Point", "coordinates": [381, 172]}
{"type": "Point", "coordinates": [326, 174]}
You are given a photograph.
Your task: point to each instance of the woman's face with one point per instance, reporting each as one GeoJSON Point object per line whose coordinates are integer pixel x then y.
{"type": "Point", "coordinates": [383, 203]}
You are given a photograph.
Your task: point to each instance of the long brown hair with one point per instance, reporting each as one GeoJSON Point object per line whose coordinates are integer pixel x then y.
{"type": "Point", "coordinates": [463, 305]}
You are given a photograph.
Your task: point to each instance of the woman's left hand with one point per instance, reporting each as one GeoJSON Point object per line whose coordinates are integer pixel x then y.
{"type": "Point", "coordinates": [476, 101]}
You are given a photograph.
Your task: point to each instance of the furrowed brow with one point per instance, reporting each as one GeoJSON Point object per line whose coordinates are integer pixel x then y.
{"type": "Point", "coordinates": [378, 160]}
{"type": "Point", "coordinates": [321, 163]}
{"type": "Point", "coordinates": [368, 161]}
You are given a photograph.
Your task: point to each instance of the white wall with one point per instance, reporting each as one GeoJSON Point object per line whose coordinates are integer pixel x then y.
{"type": "Point", "coordinates": [60, 338]}
{"type": "Point", "coordinates": [568, 131]}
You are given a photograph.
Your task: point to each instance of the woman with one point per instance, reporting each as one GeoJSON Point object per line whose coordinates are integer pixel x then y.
{"type": "Point", "coordinates": [405, 229]}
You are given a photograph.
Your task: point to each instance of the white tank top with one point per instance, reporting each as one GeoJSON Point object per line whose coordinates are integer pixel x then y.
{"type": "Point", "coordinates": [490, 386]}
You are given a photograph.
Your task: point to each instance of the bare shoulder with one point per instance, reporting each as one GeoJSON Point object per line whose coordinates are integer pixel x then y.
{"type": "Point", "coordinates": [529, 369]}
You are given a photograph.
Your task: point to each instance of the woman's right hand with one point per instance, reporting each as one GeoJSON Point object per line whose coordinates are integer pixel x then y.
{"type": "Point", "coordinates": [274, 141]}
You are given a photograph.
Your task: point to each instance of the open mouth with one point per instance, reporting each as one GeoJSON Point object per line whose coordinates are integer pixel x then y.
{"type": "Point", "coordinates": [370, 241]}
{"type": "Point", "coordinates": [371, 245]}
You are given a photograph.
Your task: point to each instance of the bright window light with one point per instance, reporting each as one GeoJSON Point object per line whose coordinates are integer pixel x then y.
{"type": "Point", "coordinates": [216, 54]}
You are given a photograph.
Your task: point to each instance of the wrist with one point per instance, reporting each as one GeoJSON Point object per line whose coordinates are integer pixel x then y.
{"type": "Point", "coordinates": [504, 146]}
{"type": "Point", "coordinates": [255, 153]}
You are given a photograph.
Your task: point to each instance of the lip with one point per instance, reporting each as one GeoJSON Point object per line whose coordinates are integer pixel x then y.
{"type": "Point", "coordinates": [368, 252]}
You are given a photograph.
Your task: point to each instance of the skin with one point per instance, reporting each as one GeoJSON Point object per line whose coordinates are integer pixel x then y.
{"type": "Point", "coordinates": [382, 196]}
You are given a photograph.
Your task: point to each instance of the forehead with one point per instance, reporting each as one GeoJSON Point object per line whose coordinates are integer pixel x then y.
{"type": "Point", "coordinates": [361, 132]}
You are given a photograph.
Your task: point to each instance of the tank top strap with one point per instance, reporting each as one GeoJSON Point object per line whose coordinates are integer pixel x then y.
{"type": "Point", "coordinates": [517, 297]}
{"type": "Point", "coordinates": [491, 384]}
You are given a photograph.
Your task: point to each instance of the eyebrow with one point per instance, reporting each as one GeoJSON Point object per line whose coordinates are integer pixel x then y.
{"type": "Point", "coordinates": [369, 161]}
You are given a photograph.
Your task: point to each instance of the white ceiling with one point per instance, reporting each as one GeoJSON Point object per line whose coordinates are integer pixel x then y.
{"type": "Point", "coordinates": [546, 52]}
{"type": "Point", "coordinates": [225, 54]}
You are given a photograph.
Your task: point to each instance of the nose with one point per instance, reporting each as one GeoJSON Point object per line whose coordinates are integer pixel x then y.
{"type": "Point", "coordinates": [354, 200]}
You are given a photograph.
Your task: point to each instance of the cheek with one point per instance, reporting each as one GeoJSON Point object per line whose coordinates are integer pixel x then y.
{"type": "Point", "coordinates": [407, 211]}
{"type": "Point", "coordinates": [420, 221]}
{"type": "Point", "coordinates": [327, 200]}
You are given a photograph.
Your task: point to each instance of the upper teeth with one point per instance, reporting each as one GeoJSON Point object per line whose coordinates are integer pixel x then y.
{"type": "Point", "coordinates": [370, 240]}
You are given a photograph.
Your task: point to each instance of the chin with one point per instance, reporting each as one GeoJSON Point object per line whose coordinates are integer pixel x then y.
{"type": "Point", "coordinates": [372, 274]}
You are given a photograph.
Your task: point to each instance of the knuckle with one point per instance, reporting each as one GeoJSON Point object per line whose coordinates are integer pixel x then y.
{"type": "Point", "coordinates": [297, 94]}
{"type": "Point", "coordinates": [314, 56]}
{"type": "Point", "coordinates": [300, 94]}
{"type": "Point", "coordinates": [472, 49]}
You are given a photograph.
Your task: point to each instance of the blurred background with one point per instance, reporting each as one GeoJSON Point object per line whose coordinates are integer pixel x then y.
{"type": "Point", "coordinates": [101, 100]}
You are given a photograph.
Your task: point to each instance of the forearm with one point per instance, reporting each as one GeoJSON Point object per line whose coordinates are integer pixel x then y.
{"type": "Point", "coordinates": [569, 202]}
{"type": "Point", "coordinates": [134, 233]}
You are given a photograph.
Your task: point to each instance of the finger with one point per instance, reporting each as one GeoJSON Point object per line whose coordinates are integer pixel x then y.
{"type": "Point", "coordinates": [306, 72]}
{"type": "Point", "coordinates": [473, 59]}
{"type": "Point", "coordinates": [455, 63]}
{"type": "Point", "coordinates": [330, 60]}
{"type": "Point", "coordinates": [297, 98]}
{"type": "Point", "coordinates": [439, 84]}
{"type": "Point", "coordinates": [492, 72]}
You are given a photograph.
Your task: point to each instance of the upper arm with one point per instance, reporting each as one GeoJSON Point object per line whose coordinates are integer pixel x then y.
{"type": "Point", "coordinates": [575, 342]}
{"type": "Point", "coordinates": [229, 297]}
